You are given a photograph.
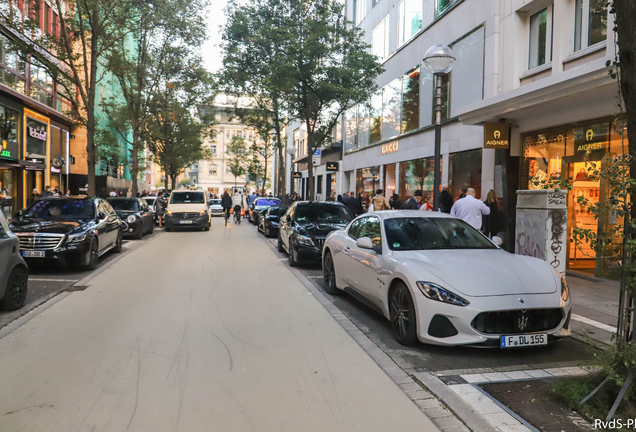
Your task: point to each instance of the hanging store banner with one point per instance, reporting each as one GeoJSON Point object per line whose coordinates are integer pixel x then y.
{"type": "Point", "coordinates": [496, 136]}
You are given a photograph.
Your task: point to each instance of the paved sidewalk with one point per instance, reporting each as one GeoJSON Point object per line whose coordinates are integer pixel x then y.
{"type": "Point", "coordinates": [194, 332]}
{"type": "Point", "coordinates": [595, 307]}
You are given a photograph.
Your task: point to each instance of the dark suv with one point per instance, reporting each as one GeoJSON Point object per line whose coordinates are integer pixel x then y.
{"type": "Point", "coordinates": [68, 231]}
{"type": "Point", "coordinates": [303, 229]}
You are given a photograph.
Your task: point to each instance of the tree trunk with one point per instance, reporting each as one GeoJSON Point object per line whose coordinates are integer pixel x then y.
{"type": "Point", "coordinates": [281, 151]}
{"type": "Point", "coordinates": [310, 164]}
{"type": "Point", "coordinates": [90, 152]}
{"type": "Point", "coordinates": [265, 177]}
{"type": "Point", "coordinates": [134, 169]}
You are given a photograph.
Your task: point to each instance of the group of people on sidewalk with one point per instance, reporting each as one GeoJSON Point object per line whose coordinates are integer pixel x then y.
{"type": "Point", "coordinates": [486, 216]}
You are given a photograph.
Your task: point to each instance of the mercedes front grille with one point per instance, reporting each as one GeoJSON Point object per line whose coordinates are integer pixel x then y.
{"type": "Point", "coordinates": [39, 241]}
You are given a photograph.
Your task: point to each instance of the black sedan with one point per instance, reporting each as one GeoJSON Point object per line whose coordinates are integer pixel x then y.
{"type": "Point", "coordinates": [259, 205]}
{"type": "Point", "coordinates": [269, 219]}
{"type": "Point", "coordinates": [68, 231]}
{"type": "Point", "coordinates": [303, 229]}
{"type": "Point", "coordinates": [136, 215]}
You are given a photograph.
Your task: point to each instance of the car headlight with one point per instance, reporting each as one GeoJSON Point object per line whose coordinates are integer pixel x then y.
{"type": "Point", "coordinates": [305, 241]}
{"type": "Point", "coordinates": [437, 293]}
{"type": "Point", "coordinates": [76, 238]}
{"type": "Point", "coordinates": [202, 212]}
{"type": "Point", "coordinates": [131, 219]}
{"type": "Point", "coordinates": [168, 212]}
{"type": "Point", "coordinates": [565, 290]}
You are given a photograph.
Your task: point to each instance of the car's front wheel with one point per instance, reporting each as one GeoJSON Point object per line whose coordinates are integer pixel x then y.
{"type": "Point", "coordinates": [402, 311]}
{"type": "Point", "coordinates": [292, 259]}
{"type": "Point", "coordinates": [329, 274]}
{"type": "Point", "coordinates": [93, 256]}
{"type": "Point", "coordinates": [17, 287]}
{"type": "Point", "coordinates": [280, 243]}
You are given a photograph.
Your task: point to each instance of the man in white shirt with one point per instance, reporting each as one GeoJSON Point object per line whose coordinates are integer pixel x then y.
{"type": "Point", "coordinates": [469, 209]}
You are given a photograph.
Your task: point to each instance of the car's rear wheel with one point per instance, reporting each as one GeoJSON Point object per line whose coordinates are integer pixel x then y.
{"type": "Point", "coordinates": [93, 256]}
{"type": "Point", "coordinates": [402, 309]}
{"type": "Point", "coordinates": [329, 274]}
{"type": "Point", "coordinates": [17, 287]}
{"type": "Point", "coordinates": [280, 243]}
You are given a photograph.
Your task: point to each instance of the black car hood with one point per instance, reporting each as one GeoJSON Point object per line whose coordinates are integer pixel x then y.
{"type": "Point", "coordinates": [126, 213]}
{"type": "Point", "coordinates": [318, 229]}
{"type": "Point", "coordinates": [45, 226]}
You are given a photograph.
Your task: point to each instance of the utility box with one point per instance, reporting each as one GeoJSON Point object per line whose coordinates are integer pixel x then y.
{"type": "Point", "coordinates": [541, 229]}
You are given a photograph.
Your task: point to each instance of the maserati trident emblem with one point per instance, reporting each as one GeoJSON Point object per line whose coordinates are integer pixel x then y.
{"type": "Point", "coordinates": [521, 300]}
{"type": "Point", "coordinates": [523, 322]}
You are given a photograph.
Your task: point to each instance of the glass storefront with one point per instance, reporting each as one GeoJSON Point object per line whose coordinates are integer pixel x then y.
{"type": "Point", "coordinates": [416, 174]}
{"type": "Point", "coordinates": [389, 181]}
{"type": "Point", "coordinates": [367, 182]}
{"type": "Point", "coordinates": [464, 171]}
{"type": "Point", "coordinates": [8, 192]}
{"type": "Point", "coordinates": [573, 155]}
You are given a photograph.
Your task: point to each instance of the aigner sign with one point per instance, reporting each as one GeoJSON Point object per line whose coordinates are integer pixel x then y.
{"type": "Point", "coordinates": [496, 136]}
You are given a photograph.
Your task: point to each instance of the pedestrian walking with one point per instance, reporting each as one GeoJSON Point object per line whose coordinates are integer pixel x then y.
{"type": "Point", "coordinates": [129, 193]}
{"type": "Point", "coordinates": [396, 203]}
{"type": "Point", "coordinates": [428, 204]}
{"type": "Point", "coordinates": [35, 195]}
{"type": "Point", "coordinates": [470, 209]}
{"type": "Point", "coordinates": [445, 200]}
{"type": "Point", "coordinates": [413, 202]}
{"type": "Point", "coordinates": [462, 193]}
{"type": "Point", "coordinates": [493, 222]}
{"type": "Point", "coordinates": [352, 203]}
{"type": "Point", "coordinates": [47, 192]}
{"type": "Point", "coordinates": [160, 207]}
{"type": "Point", "coordinates": [339, 199]}
{"type": "Point", "coordinates": [378, 202]}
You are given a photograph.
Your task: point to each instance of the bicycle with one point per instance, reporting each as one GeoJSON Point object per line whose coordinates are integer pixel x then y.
{"type": "Point", "coordinates": [237, 215]}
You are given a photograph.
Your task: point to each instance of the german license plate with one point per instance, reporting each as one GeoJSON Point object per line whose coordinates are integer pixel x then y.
{"type": "Point", "coordinates": [33, 254]}
{"type": "Point", "coordinates": [185, 222]}
{"type": "Point", "coordinates": [524, 340]}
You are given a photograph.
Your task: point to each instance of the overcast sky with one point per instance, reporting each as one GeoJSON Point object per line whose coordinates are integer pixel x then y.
{"type": "Point", "coordinates": [211, 52]}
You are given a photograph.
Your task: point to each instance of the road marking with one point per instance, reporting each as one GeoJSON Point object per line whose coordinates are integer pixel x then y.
{"type": "Point", "coordinates": [52, 280]}
{"type": "Point", "coordinates": [594, 323]}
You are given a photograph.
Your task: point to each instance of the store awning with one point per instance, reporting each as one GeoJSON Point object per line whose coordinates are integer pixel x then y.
{"type": "Point", "coordinates": [32, 165]}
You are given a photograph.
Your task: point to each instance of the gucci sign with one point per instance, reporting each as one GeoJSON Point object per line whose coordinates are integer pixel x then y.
{"type": "Point", "coordinates": [390, 148]}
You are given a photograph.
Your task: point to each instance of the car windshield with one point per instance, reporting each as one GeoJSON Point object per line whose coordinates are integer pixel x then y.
{"type": "Point", "coordinates": [322, 214]}
{"type": "Point", "coordinates": [187, 198]}
{"type": "Point", "coordinates": [68, 209]}
{"type": "Point", "coordinates": [277, 211]}
{"type": "Point", "coordinates": [149, 201]}
{"type": "Point", "coordinates": [433, 233]}
{"type": "Point", "coordinates": [215, 202]}
{"type": "Point", "coordinates": [124, 205]}
{"type": "Point", "coordinates": [267, 202]}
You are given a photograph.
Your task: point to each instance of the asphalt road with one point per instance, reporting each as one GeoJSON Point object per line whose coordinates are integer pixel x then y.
{"type": "Point", "coordinates": [444, 360]}
{"type": "Point", "coordinates": [46, 282]}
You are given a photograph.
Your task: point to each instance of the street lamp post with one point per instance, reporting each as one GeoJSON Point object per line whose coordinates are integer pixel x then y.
{"type": "Point", "coordinates": [291, 151]}
{"type": "Point", "coordinates": [439, 60]}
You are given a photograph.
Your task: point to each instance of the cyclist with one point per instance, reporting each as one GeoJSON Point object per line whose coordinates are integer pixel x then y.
{"type": "Point", "coordinates": [237, 203]}
{"type": "Point", "coordinates": [226, 203]}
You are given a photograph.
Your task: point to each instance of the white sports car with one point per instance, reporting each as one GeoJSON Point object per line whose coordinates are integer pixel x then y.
{"type": "Point", "coordinates": [440, 281]}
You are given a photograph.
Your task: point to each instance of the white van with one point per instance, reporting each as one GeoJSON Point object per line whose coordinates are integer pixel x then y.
{"type": "Point", "coordinates": [187, 209]}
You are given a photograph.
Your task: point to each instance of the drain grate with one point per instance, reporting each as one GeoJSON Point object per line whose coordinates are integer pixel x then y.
{"type": "Point", "coordinates": [77, 288]}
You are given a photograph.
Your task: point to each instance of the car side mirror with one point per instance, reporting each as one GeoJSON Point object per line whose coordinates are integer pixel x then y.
{"type": "Point", "coordinates": [364, 243]}
{"type": "Point", "coordinates": [497, 240]}
{"type": "Point", "coordinates": [101, 215]}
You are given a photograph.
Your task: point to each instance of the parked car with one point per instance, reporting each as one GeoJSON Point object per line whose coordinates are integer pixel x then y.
{"type": "Point", "coordinates": [440, 281]}
{"type": "Point", "coordinates": [14, 273]}
{"type": "Point", "coordinates": [303, 228]}
{"type": "Point", "coordinates": [260, 204]}
{"type": "Point", "coordinates": [68, 231]}
{"type": "Point", "coordinates": [215, 207]}
{"type": "Point", "coordinates": [187, 208]}
{"type": "Point", "coordinates": [269, 219]}
{"type": "Point", "coordinates": [150, 200]}
{"type": "Point", "coordinates": [136, 215]}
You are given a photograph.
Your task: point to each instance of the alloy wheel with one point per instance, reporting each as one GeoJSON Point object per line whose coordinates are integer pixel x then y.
{"type": "Point", "coordinates": [403, 315]}
{"type": "Point", "coordinates": [16, 289]}
{"type": "Point", "coordinates": [329, 275]}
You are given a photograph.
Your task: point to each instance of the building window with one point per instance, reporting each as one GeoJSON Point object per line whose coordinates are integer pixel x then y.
{"type": "Point", "coordinates": [375, 121]}
{"type": "Point", "coordinates": [359, 10]}
{"type": "Point", "coordinates": [380, 39]}
{"type": "Point", "coordinates": [445, 96]}
{"type": "Point", "coordinates": [540, 38]}
{"type": "Point", "coordinates": [411, 101]}
{"type": "Point", "coordinates": [590, 23]}
{"type": "Point", "coordinates": [41, 88]}
{"type": "Point", "coordinates": [36, 139]}
{"type": "Point", "coordinates": [12, 67]}
{"type": "Point", "coordinates": [468, 72]}
{"type": "Point", "coordinates": [227, 134]}
{"type": "Point", "coordinates": [319, 185]}
{"type": "Point", "coordinates": [212, 169]}
{"type": "Point", "coordinates": [213, 148]}
{"type": "Point", "coordinates": [391, 109]}
{"type": "Point", "coordinates": [409, 19]}
{"type": "Point", "coordinates": [8, 124]}
{"type": "Point", "coordinates": [350, 130]}
{"type": "Point", "coordinates": [442, 6]}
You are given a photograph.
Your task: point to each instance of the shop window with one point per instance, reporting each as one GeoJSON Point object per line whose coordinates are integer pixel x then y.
{"type": "Point", "coordinates": [380, 39]}
{"type": "Point", "coordinates": [445, 79]}
{"type": "Point", "coordinates": [442, 6]}
{"type": "Point", "coordinates": [367, 182]}
{"type": "Point", "coordinates": [319, 185]}
{"type": "Point", "coordinates": [590, 23]}
{"type": "Point", "coordinates": [409, 19]}
{"type": "Point", "coordinates": [375, 119]}
{"type": "Point", "coordinates": [418, 174]}
{"type": "Point", "coordinates": [468, 72]}
{"type": "Point", "coordinates": [8, 124]}
{"type": "Point", "coordinates": [8, 196]}
{"type": "Point", "coordinates": [391, 109]}
{"type": "Point", "coordinates": [411, 101]}
{"type": "Point", "coordinates": [363, 125]}
{"type": "Point", "coordinates": [540, 38]}
{"type": "Point", "coordinates": [543, 158]}
{"type": "Point", "coordinates": [36, 139]}
{"type": "Point", "coordinates": [465, 172]}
